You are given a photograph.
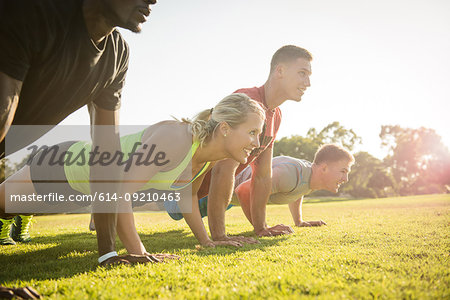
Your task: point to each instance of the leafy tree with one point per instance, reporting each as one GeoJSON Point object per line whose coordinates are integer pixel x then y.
{"type": "Point", "coordinates": [368, 178]}
{"type": "Point", "coordinates": [306, 147]}
{"type": "Point", "coordinates": [418, 160]}
{"type": "Point", "coordinates": [334, 133]}
{"type": "Point", "coordinates": [296, 146]}
{"type": "Point", "coordinates": [381, 182]}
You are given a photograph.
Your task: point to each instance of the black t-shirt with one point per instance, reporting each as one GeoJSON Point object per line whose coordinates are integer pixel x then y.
{"type": "Point", "coordinates": [45, 44]}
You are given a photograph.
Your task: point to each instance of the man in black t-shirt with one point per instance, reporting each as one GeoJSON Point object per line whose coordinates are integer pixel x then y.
{"type": "Point", "coordinates": [57, 56]}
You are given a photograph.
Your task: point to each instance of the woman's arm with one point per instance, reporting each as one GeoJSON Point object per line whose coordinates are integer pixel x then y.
{"type": "Point", "coordinates": [135, 177]}
{"type": "Point", "coordinates": [194, 219]}
{"type": "Point", "coordinates": [195, 222]}
{"type": "Point", "coordinates": [127, 232]}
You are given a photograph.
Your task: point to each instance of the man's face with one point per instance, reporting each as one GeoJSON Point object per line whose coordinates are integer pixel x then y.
{"type": "Point", "coordinates": [295, 78]}
{"type": "Point", "coordinates": [334, 174]}
{"type": "Point", "coordinates": [128, 14]}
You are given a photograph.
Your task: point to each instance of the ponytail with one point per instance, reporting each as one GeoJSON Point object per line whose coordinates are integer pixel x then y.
{"type": "Point", "coordinates": [233, 110]}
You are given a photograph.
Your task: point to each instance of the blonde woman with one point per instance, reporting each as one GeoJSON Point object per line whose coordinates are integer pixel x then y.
{"type": "Point", "coordinates": [229, 130]}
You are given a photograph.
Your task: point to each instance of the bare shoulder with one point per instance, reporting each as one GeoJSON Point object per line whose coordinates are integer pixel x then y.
{"type": "Point", "coordinates": [172, 139]}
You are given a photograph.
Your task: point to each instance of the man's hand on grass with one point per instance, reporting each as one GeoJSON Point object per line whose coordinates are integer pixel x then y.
{"type": "Point", "coordinates": [310, 223]}
{"type": "Point", "coordinates": [163, 256]}
{"type": "Point", "coordinates": [23, 293]}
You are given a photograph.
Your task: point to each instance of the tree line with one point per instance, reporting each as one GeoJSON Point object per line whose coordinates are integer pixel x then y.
{"type": "Point", "coordinates": [417, 161]}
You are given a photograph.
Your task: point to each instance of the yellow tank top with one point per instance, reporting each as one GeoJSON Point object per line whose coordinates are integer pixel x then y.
{"type": "Point", "coordinates": [77, 173]}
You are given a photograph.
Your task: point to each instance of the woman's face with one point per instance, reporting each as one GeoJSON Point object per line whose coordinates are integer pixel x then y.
{"type": "Point", "coordinates": [241, 140]}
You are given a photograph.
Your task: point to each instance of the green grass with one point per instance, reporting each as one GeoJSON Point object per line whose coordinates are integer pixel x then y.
{"type": "Point", "coordinates": [377, 248]}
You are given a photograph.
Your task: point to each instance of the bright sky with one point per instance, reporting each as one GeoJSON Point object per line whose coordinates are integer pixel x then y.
{"type": "Point", "coordinates": [375, 62]}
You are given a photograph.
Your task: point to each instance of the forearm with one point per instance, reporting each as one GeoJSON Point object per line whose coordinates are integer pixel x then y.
{"type": "Point", "coordinates": [195, 223]}
{"type": "Point", "coordinates": [126, 229]}
{"type": "Point", "coordinates": [105, 226]}
{"type": "Point", "coordinates": [259, 195]}
{"type": "Point", "coordinates": [296, 211]}
{"type": "Point", "coordinates": [222, 185]}
{"type": "Point", "coordinates": [107, 138]}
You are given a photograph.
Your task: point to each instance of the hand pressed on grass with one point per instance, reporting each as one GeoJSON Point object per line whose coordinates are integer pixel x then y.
{"type": "Point", "coordinates": [310, 223]}
{"type": "Point", "coordinates": [238, 238]}
{"type": "Point", "coordinates": [163, 256]}
{"type": "Point", "coordinates": [129, 260]}
{"type": "Point", "coordinates": [279, 229]}
{"type": "Point", "coordinates": [22, 293]}
{"type": "Point", "coordinates": [213, 244]}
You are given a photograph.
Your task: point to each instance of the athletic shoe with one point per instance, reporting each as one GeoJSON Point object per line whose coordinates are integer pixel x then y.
{"type": "Point", "coordinates": [20, 228]}
{"type": "Point", "coordinates": [5, 228]}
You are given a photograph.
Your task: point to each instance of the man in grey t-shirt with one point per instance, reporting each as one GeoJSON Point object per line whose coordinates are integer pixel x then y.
{"type": "Point", "coordinates": [294, 178]}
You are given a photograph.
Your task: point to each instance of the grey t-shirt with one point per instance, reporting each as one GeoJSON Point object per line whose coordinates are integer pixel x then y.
{"type": "Point", "coordinates": [286, 169]}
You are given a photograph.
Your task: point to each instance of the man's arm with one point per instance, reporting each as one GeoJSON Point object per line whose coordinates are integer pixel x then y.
{"type": "Point", "coordinates": [260, 189]}
{"type": "Point", "coordinates": [9, 99]}
{"type": "Point", "coordinates": [107, 139]}
{"type": "Point", "coordinates": [296, 212]}
{"type": "Point", "coordinates": [219, 196]}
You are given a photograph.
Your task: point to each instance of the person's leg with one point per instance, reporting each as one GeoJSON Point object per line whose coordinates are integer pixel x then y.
{"type": "Point", "coordinates": [173, 210]}
{"type": "Point", "coordinates": [243, 194]}
{"type": "Point", "coordinates": [92, 223]}
{"type": "Point", "coordinates": [18, 184]}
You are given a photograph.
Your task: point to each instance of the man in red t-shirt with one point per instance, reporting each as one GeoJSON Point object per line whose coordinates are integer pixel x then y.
{"type": "Point", "coordinates": [290, 69]}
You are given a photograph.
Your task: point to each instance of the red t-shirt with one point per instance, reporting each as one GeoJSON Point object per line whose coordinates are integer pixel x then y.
{"type": "Point", "coordinates": [266, 138]}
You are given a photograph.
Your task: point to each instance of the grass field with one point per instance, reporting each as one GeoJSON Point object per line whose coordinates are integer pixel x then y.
{"type": "Point", "coordinates": [378, 248]}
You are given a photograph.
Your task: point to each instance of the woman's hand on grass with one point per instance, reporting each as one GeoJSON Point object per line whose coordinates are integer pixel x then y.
{"type": "Point", "coordinates": [239, 238]}
{"type": "Point", "coordinates": [129, 259]}
{"type": "Point", "coordinates": [310, 223]}
{"type": "Point", "coordinates": [213, 244]}
{"type": "Point", "coordinates": [279, 229]}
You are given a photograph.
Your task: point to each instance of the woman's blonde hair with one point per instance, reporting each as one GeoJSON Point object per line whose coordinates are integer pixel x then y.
{"type": "Point", "coordinates": [232, 109]}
